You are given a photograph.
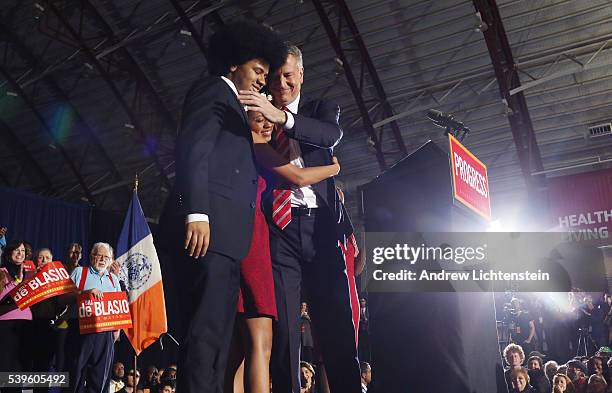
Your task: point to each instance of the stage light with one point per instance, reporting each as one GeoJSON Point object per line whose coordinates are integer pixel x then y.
{"type": "Point", "coordinates": [39, 11]}
{"type": "Point", "coordinates": [495, 226]}
{"type": "Point", "coordinates": [339, 66]}
{"type": "Point", "coordinates": [481, 26]}
{"type": "Point", "coordinates": [184, 37]}
{"type": "Point", "coordinates": [88, 70]}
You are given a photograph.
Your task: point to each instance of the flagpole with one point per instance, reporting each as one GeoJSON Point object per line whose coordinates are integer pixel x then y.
{"type": "Point", "coordinates": [134, 317]}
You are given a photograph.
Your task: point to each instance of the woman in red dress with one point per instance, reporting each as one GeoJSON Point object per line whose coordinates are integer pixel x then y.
{"type": "Point", "coordinates": [256, 303]}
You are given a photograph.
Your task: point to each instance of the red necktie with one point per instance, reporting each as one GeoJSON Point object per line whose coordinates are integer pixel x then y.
{"type": "Point", "coordinates": [281, 204]}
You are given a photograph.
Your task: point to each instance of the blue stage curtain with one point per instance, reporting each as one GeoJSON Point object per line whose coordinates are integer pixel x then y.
{"type": "Point", "coordinates": [44, 222]}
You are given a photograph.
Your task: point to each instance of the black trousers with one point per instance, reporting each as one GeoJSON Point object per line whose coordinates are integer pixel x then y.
{"type": "Point", "coordinates": [208, 306]}
{"type": "Point", "coordinates": [90, 359]}
{"type": "Point", "coordinates": [17, 349]}
{"type": "Point", "coordinates": [307, 261]}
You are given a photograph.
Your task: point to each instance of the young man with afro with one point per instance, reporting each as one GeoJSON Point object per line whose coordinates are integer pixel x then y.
{"type": "Point", "coordinates": [214, 197]}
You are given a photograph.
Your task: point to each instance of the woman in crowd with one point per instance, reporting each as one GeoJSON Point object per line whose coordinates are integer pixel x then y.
{"type": "Point", "coordinates": [595, 365]}
{"type": "Point", "coordinates": [256, 304]}
{"type": "Point", "coordinates": [520, 381]}
{"type": "Point", "coordinates": [596, 384]}
{"type": "Point", "coordinates": [561, 384]}
{"type": "Point", "coordinates": [42, 314]}
{"type": "Point", "coordinates": [307, 378]}
{"type": "Point", "coordinates": [15, 324]}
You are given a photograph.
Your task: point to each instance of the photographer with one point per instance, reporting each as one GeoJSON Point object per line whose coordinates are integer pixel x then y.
{"type": "Point", "coordinates": [524, 332]}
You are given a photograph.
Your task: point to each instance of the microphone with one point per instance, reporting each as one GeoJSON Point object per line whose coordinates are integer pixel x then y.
{"type": "Point", "coordinates": [444, 120]}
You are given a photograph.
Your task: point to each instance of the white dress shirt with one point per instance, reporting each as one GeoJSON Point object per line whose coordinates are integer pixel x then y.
{"type": "Point", "coordinates": [300, 196]}
{"type": "Point", "coordinates": [115, 386]}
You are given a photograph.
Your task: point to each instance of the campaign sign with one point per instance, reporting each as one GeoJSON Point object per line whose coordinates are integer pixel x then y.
{"type": "Point", "coordinates": [110, 313]}
{"type": "Point", "coordinates": [29, 266]}
{"type": "Point", "coordinates": [470, 179]}
{"type": "Point", "coordinates": [52, 280]}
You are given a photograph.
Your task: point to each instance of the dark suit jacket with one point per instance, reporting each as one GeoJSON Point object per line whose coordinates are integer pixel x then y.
{"type": "Point", "coordinates": [215, 167]}
{"type": "Point", "coordinates": [317, 130]}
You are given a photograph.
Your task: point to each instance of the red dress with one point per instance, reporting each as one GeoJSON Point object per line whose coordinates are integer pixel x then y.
{"type": "Point", "coordinates": [256, 295]}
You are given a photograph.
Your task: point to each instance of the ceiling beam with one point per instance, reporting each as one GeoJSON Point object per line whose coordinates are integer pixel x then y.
{"type": "Point", "coordinates": [27, 159]}
{"type": "Point", "coordinates": [387, 110]}
{"type": "Point", "coordinates": [110, 83]}
{"type": "Point", "coordinates": [352, 81]}
{"type": "Point", "coordinates": [195, 34]}
{"type": "Point", "coordinates": [25, 53]}
{"type": "Point", "coordinates": [30, 104]}
{"type": "Point", "coordinates": [521, 126]}
{"type": "Point", "coordinates": [134, 68]}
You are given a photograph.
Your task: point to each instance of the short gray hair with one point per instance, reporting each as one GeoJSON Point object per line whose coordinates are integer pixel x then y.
{"type": "Point", "coordinates": [98, 245]}
{"type": "Point", "coordinates": [297, 53]}
{"type": "Point", "coordinates": [44, 249]}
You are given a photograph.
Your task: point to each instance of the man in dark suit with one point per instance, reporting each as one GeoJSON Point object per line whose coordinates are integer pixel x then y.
{"type": "Point", "coordinates": [306, 258]}
{"type": "Point", "coordinates": [214, 199]}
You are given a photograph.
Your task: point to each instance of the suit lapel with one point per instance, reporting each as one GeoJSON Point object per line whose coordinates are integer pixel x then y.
{"type": "Point", "coordinates": [304, 105]}
{"type": "Point", "coordinates": [234, 101]}
{"type": "Point", "coordinates": [305, 109]}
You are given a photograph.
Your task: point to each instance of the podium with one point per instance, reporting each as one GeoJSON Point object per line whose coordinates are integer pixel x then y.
{"type": "Point", "coordinates": [430, 341]}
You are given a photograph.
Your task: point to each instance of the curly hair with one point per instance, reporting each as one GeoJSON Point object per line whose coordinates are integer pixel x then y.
{"type": "Point", "coordinates": [238, 42]}
{"type": "Point", "coordinates": [514, 348]}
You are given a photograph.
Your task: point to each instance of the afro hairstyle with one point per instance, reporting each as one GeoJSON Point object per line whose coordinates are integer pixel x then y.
{"type": "Point", "coordinates": [241, 41]}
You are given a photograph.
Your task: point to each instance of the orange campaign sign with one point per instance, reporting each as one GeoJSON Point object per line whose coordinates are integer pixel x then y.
{"type": "Point", "coordinates": [110, 313]}
{"type": "Point", "coordinates": [470, 179]}
{"type": "Point", "coordinates": [52, 280]}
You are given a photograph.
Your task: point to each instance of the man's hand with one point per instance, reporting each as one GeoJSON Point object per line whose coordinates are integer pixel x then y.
{"type": "Point", "coordinates": [340, 194]}
{"type": "Point", "coordinates": [258, 103]}
{"type": "Point", "coordinates": [197, 238]}
{"type": "Point", "coordinates": [115, 267]}
{"type": "Point", "coordinates": [337, 163]}
{"type": "Point", "coordinates": [98, 294]}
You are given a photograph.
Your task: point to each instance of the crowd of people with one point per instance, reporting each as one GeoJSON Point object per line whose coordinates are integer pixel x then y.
{"type": "Point", "coordinates": [45, 336]}
{"type": "Point", "coordinates": [558, 346]}
{"type": "Point", "coordinates": [562, 324]}
{"type": "Point", "coordinates": [163, 380]}
{"type": "Point", "coordinates": [156, 380]}
{"type": "Point", "coordinates": [535, 374]}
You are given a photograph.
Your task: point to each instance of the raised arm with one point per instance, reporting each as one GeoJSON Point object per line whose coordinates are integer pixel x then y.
{"type": "Point", "coordinates": [316, 124]}
{"type": "Point", "coordinates": [322, 129]}
{"type": "Point", "coordinates": [270, 159]}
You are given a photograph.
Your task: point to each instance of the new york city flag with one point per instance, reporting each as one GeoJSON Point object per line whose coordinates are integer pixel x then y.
{"type": "Point", "coordinates": [141, 273]}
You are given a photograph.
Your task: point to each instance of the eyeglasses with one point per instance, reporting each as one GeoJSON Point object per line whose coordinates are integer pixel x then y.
{"type": "Point", "coordinates": [103, 257]}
